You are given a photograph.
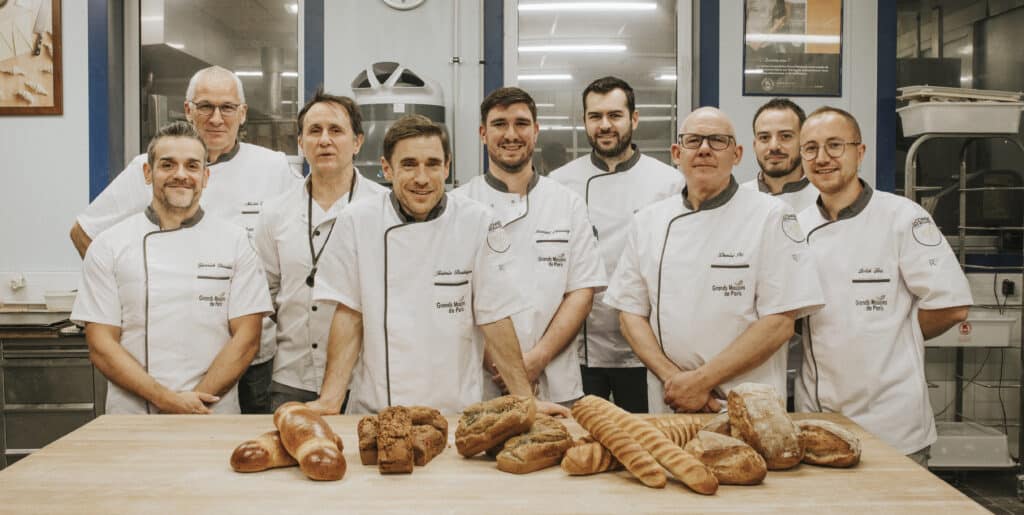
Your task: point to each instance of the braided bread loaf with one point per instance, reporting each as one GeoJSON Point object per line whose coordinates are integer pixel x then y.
{"type": "Point", "coordinates": [262, 453]}
{"type": "Point", "coordinates": [309, 439]}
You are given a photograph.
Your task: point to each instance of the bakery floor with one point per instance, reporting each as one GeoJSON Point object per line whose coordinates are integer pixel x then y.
{"type": "Point", "coordinates": [996, 490]}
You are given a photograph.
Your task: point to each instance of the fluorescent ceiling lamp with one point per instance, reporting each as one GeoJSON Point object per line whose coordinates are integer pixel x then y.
{"type": "Point", "coordinates": [289, 74]}
{"type": "Point", "coordinates": [292, 8]}
{"type": "Point", "coordinates": [241, 73]}
{"type": "Point", "coordinates": [666, 76]}
{"type": "Point", "coordinates": [655, 106]}
{"type": "Point", "coordinates": [287, 101]}
{"type": "Point", "coordinates": [529, 49]}
{"type": "Point", "coordinates": [656, 118]}
{"type": "Point", "coordinates": [559, 127]}
{"type": "Point", "coordinates": [792, 38]}
{"type": "Point", "coordinates": [754, 71]}
{"type": "Point", "coordinates": [553, 117]}
{"type": "Point", "coordinates": [588, 6]}
{"type": "Point", "coordinates": [545, 76]}
{"type": "Point", "coordinates": [545, 105]}
{"type": "Point", "coordinates": [179, 46]}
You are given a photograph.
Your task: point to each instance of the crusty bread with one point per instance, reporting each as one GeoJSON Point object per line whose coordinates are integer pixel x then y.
{"type": "Point", "coordinates": [757, 416]}
{"type": "Point", "coordinates": [625, 449]}
{"type": "Point", "coordinates": [678, 428]}
{"type": "Point", "coordinates": [427, 442]}
{"type": "Point", "coordinates": [541, 447]}
{"type": "Point", "coordinates": [680, 463]}
{"type": "Point", "coordinates": [719, 424]}
{"type": "Point", "coordinates": [486, 424]}
{"type": "Point", "coordinates": [262, 453]}
{"type": "Point", "coordinates": [732, 461]}
{"type": "Point", "coordinates": [394, 442]}
{"type": "Point", "coordinates": [312, 443]}
{"type": "Point", "coordinates": [367, 431]}
{"type": "Point", "coordinates": [828, 444]}
{"type": "Point", "coordinates": [586, 458]}
{"type": "Point", "coordinates": [426, 416]}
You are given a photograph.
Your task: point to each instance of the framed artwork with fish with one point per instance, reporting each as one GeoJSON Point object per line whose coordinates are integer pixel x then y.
{"type": "Point", "coordinates": [30, 58]}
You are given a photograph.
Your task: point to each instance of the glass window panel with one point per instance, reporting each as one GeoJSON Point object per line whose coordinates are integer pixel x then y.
{"type": "Point", "coordinates": [257, 39]}
{"type": "Point", "coordinates": [561, 51]}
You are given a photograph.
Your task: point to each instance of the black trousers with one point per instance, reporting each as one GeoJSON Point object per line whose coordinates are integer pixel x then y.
{"type": "Point", "coordinates": [627, 387]}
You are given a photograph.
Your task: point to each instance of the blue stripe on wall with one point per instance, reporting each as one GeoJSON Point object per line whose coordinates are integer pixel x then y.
{"type": "Point", "coordinates": [99, 105]}
{"type": "Point", "coordinates": [886, 119]}
{"type": "Point", "coordinates": [313, 46]}
{"type": "Point", "coordinates": [494, 47]}
{"type": "Point", "coordinates": [708, 53]}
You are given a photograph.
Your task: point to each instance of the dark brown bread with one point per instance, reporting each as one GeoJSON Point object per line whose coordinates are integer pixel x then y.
{"type": "Point", "coordinates": [487, 424]}
{"type": "Point", "coordinates": [828, 444]}
{"type": "Point", "coordinates": [426, 416]}
{"type": "Point", "coordinates": [757, 416]}
{"type": "Point", "coordinates": [262, 453]}
{"type": "Point", "coordinates": [312, 443]}
{"type": "Point", "coordinates": [367, 431]}
{"type": "Point", "coordinates": [625, 449]}
{"type": "Point", "coordinates": [732, 461]}
{"type": "Point", "coordinates": [427, 442]}
{"type": "Point", "coordinates": [394, 442]}
{"type": "Point", "coordinates": [541, 447]}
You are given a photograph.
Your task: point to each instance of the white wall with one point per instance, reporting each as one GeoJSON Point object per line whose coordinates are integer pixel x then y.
{"type": "Point", "coordinates": [358, 33]}
{"type": "Point", "coordinates": [45, 177]}
{"type": "Point", "coordinates": [859, 82]}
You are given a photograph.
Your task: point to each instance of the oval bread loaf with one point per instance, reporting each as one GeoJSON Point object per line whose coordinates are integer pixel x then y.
{"type": "Point", "coordinates": [311, 441]}
{"type": "Point", "coordinates": [758, 417]}
{"type": "Point", "coordinates": [732, 461]}
{"type": "Point", "coordinates": [828, 444]}
{"type": "Point", "coordinates": [261, 453]}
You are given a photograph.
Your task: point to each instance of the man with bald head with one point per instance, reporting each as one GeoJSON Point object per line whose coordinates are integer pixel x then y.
{"type": "Point", "coordinates": [710, 281]}
{"type": "Point", "coordinates": [242, 176]}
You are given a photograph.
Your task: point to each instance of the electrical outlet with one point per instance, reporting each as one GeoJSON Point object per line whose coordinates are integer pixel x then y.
{"type": "Point", "coordinates": [17, 283]}
{"type": "Point", "coordinates": [1009, 287]}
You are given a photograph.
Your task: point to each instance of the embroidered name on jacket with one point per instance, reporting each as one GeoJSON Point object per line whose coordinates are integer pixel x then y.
{"type": "Point", "coordinates": [736, 289]}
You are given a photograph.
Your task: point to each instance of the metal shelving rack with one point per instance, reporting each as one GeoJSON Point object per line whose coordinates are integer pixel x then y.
{"type": "Point", "coordinates": [911, 190]}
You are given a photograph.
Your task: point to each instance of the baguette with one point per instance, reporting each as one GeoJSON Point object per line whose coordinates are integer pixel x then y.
{"type": "Point", "coordinates": [308, 438]}
{"type": "Point", "coordinates": [262, 453]}
{"type": "Point", "coordinates": [625, 449]}
{"type": "Point", "coordinates": [679, 428]}
{"type": "Point", "coordinates": [586, 458]}
{"type": "Point", "coordinates": [680, 463]}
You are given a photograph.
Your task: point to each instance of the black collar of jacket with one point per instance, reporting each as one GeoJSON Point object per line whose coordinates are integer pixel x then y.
{"type": "Point", "coordinates": [718, 200]}
{"type": "Point", "coordinates": [623, 166]}
{"type": "Point", "coordinates": [408, 219]}
{"type": "Point", "coordinates": [853, 209]}
{"type": "Point", "coordinates": [789, 187]}
{"type": "Point", "coordinates": [186, 223]}
{"type": "Point", "coordinates": [500, 185]}
{"type": "Point", "coordinates": [229, 155]}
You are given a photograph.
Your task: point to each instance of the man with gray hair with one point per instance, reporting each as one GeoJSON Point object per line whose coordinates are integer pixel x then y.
{"type": "Point", "coordinates": [242, 176]}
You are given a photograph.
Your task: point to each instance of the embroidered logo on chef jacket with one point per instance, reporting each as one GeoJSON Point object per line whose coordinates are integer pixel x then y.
{"type": "Point", "coordinates": [736, 289]}
{"type": "Point", "coordinates": [252, 207]}
{"type": "Point", "coordinates": [926, 233]}
{"type": "Point", "coordinates": [873, 304]}
{"type": "Point", "coordinates": [551, 246]}
{"type": "Point", "coordinates": [791, 228]}
{"type": "Point", "coordinates": [497, 238]}
{"type": "Point", "coordinates": [213, 279]}
{"type": "Point", "coordinates": [451, 291]}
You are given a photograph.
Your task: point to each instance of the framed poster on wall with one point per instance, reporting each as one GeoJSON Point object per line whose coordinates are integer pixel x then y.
{"type": "Point", "coordinates": [792, 47]}
{"type": "Point", "coordinates": [30, 58]}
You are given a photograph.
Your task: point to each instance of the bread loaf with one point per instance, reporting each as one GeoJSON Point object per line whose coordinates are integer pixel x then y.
{"type": "Point", "coordinates": [394, 442]}
{"type": "Point", "coordinates": [425, 416]}
{"type": "Point", "coordinates": [312, 443]}
{"type": "Point", "coordinates": [262, 453]}
{"type": "Point", "coordinates": [486, 424]}
{"type": "Point", "coordinates": [541, 447]}
{"type": "Point", "coordinates": [678, 428]}
{"type": "Point", "coordinates": [586, 458]}
{"type": "Point", "coordinates": [828, 444]}
{"type": "Point", "coordinates": [719, 424]}
{"type": "Point", "coordinates": [757, 416]}
{"type": "Point", "coordinates": [732, 461]}
{"type": "Point", "coordinates": [625, 449]}
{"type": "Point", "coordinates": [680, 463]}
{"type": "Point", "coordinates": [427, 443]}
{"type": "Point", "coordinates": [367, 431]}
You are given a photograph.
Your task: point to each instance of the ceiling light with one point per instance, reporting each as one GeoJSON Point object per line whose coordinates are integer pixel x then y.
{"type": "Point", "coordinates": [553, 117]}
{"type": "Point", "coordinates": [666, 76]}
{"type": "Point", "coordinates": [655, 106]}
{"type": "Point", "coordinates": [589, 6]}
{"type": "Point", "coordinates": [571, 48]}
{"type": "Point", "coordinates": [249, 73]}
{"type": "Point", "coordinates": [289, 74]}
{"type": "Point", "coordinates": [179, 46]}
{"type": "Point", "coordinates": [545, 105]}
{"type": "Point", "coordinates": [545, 76]}
{"type": "Point", "coordinates": [792, 38]}
{"type": "Point", "coordinates": [754, 71]}
{"type": "Point", "coordinates": [657, 118]}
{"type": "Point", "coordinates": [292, 8]}
{"type": "Point", "coordinates": [559, 127]}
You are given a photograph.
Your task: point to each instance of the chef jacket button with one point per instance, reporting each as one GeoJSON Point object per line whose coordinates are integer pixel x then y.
{"type": "Point", "coordinates": [313, 308]}
{"type": "Point", "coordinates": [315, 345]}
{"type": "Point", "coordinates": [316, 232]}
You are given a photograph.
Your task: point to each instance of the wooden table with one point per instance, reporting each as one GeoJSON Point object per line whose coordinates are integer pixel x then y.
{"type": "Point", "coordinates": [179, 464]}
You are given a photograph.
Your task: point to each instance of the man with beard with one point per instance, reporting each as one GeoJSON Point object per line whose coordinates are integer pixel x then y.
{"type": "Point", "coordinates": [709, 283]}
{"type": "Point", "coordinates": [891, 281]}
{"type": "Point", "coordinates": [421, 281]}
{"type": "Point", "coordinates": [777, 149]}
{"type": "Point", "coordinates": [552, 245]}
{"type": "Point", "coordinates": [242, 176]}
{"type": "Point", "coordinates": [615, 181]}
{"type": "Point", "coordinates": [171, 298]}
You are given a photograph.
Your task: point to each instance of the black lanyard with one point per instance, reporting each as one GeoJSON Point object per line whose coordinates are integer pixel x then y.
{"type": "Point", "coordinates": [314, 255]}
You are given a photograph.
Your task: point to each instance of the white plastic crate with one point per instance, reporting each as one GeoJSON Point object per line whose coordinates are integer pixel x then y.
{"type": "Point", "coordinates": [961, 117]}
{"type": "Point", "coordinates": [969, 445]}
{"type": "Point", "coordinates": [983, 328]}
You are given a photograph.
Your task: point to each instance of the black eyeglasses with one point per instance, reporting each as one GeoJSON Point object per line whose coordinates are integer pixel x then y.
{"type": "Point", "coordinates": [834, 148]}
{"type": "Point", "coordinates": [207, 109]}
{"type": "Point", "coordinates": [715, 141]}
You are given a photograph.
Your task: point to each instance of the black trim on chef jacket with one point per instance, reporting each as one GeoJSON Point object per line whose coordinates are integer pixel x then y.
{"type": "Point", "coordinates": [499, 185]}
{"type": "Point", "coordinates": [152, 217]}
{"type": "Point", "coordinates": [407, 220]}
{"type": "Point", "coordinates": [599, 163]}
{"type": "Point", "coordinates": [789, 187]}
{"type": "Point", "coordinates": [845, 213]}
{"type": "Point", "coordinates": [227, 156]}
{"type": "Point", "coordinates": [712, 203]}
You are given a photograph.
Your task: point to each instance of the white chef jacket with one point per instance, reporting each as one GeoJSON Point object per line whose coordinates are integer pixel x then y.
{"type": "Point", "coordinates": [282, 241]}
{"type": "Point", "coordinates": [422, 288]}
{"type": "Point", "coordinates": [738, 258]}
{"type": "Point", "coordinates": [239, 183]}
{"type": "Point", "coordinates": [555, 250]}
{"type": "Point", "coordinates": [798, 194]}
{"type": "Point", "coordinates": [612, 199]}
{"type": "Point", "coordinates": [172, 293]}
{"type": "Point", "coordinates": [880, 261]}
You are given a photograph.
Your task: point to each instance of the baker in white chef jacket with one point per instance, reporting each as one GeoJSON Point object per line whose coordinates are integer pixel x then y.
{"type": "Point", "coordinates": [292, 234]}
{"type": "Point", "coordinates": [172, 297]}
{"type": "Point", "coordinates": [553, 245]}
{"type": "Point", "coordinates": [615, 181]}
{"type": "Point", "coordinates": [420, 280]}
{"type": "Point", "coordinates": [242, 176]}
{"type": "Point", "coordinates": [777, 150]}
{"type": "Point", "coordinates": [891, 281]}
{"type": "Point", "coordinates": [711, 281]}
